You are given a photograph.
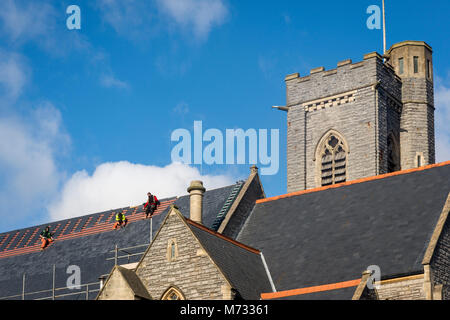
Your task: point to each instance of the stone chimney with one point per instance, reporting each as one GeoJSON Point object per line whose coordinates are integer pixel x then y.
{"type": "Point", "coordinates": [196, 191]}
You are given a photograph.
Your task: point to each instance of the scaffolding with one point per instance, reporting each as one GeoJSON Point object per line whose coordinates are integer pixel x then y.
{"type": "Point", "coordinates": [82, 289]}
{"type": "Point", "coordinates": [128, 254]}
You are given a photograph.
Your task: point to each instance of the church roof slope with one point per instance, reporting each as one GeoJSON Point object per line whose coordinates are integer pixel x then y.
{"type": "Point", "coordinates": [85, 241]}
{"type": "Point", "coordinates": [134, 282]}
{"type": "Point", "coordinates": [330, 235]}
{"type": "Point", "coordinates": [240, 264]}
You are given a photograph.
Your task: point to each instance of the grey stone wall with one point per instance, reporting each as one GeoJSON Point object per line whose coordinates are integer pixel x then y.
{"type": "Point", "coordinates": [417, 122]}
{"type": "Point", "coordinates": [402, 290]}
{"type": "Point", "coordinates": [440, 263]}
{"type": "Point", "coordinates": [364, 123]}
{"type": "Point", "coordinates": [116, 289]}
{"type": "Point", "coordinates": [193, 272]}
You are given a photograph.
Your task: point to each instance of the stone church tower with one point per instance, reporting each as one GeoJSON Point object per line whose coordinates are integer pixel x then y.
{"type": "Point", "coordinates": [361, 119]}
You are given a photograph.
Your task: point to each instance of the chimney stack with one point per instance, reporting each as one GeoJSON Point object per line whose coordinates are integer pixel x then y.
{"type": "Point", "coordinates": [196, 191]}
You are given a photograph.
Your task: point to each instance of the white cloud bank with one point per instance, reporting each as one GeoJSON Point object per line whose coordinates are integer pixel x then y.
{"type": "Point", "coordinates": [120, 184]}
{"type": "Point", "coordinates": [29, 175]}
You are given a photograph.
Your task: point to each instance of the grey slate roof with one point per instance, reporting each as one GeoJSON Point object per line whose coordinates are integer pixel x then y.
{"type": "Point", "coordinates": [333, 235]}
{"type": "Point", "coordinates": [134, 282]}
{"type": "Point", "coordinates": [338, 294]}
{"type": "Point", "coordinates": [242, 267]}
{"type": "Point", "coordinates": [89, 252]}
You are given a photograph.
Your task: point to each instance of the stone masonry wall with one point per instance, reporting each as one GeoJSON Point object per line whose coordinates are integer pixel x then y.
{"type": "Point", "coordinates": [402, 290]}
{"type": "Point", "coordinates": [440, 263]}
{"type": "Point", "coordinates": [117, 289]}
{"type": "Point", "coordinates": [417, 122]}
{"type": "Point", "coordinates": [192, 271]}
{"type": "Point", "coordinates": [389, 112]}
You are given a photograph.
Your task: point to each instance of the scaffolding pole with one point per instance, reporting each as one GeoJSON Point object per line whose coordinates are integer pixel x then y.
{"type": "Point", "coordinates": [384, 29]}
{"type": "Point", "coordinates": [23, 287]}
{"type": "Point", "coordinates": [151, 229]}
{"type": "Point", "coordinates": [54, 278]}
{"type": "Point", "coordinates": [116, 254]}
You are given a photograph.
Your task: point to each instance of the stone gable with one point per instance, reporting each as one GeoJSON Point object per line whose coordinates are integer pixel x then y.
{"type": "Point", "coordinates": [191, 270]}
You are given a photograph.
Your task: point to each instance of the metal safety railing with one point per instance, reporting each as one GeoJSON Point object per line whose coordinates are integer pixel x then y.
{"type": "Point", "coordinates": [126, 252]}
{"type": "Point", "coordinates": [82, 289]}
{"type": "Point", "coordinates": [130, 254]}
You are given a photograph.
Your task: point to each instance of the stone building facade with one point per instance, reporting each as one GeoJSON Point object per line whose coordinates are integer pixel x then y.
{"type": "Point", "coordinates": [186, 266]}
{"type": "Point", "coordinates": [361, 119]}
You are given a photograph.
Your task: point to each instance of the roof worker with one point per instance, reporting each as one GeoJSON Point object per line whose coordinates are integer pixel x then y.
{"type": "Point", "coordinates": [151, 205]}
{"type": "Point", "coordinates": [121, 220]}
{"type": "Point", "coordinates": [46, 238]}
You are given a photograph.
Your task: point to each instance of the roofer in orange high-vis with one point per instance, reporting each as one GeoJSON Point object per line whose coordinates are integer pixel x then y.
{"type": "Point", "coordinates": [121, 220]}
{"type": "Point", "coordinates": [46, 237]}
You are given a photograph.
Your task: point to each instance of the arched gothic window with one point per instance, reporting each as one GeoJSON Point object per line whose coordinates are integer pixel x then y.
{"type": "Point", "coordinates": [172, 294]}
{"type": "Point", "coordinates": [331, 158]}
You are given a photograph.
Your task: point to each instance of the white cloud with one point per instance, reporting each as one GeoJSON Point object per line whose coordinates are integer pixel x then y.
{"type": "Point", "coordinates": [120, 184]}
{"type": "Point", "coordinates": [38, 22]}
{"type": "Point", "coordinates": [442, 120]}
{"type": "Point", "coordinates": [109, 81]}
{"type": "Point", "coordinates": [30, 176]}
{"type": "Point", "coordinates": [21, 22]}
{"type": "Point", "coordinates": [13, 74]}
{"type": "Point", "coordinates": [136, 19]}
{"type": "Point", "coordinates": [127, 17]}
{"type": "Point", "coordinates": [199, 15]}
{"type": "Point", "coordinates": [181, 109]}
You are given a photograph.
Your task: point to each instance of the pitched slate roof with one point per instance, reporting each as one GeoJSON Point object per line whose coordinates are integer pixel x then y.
{"type": "Point", "coordinates": [332, 234]}
{"type": "Point", "coordinates": [331, 291]}
{"type": "Point", "coordinates": [240, 264]}
{"type": "Point", "coordinates": [134, 282]}
{"type": "Point", "coordinates": [85, 241]}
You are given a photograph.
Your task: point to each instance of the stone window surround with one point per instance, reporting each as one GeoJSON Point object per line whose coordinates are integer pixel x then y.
{"type": "Point", "coordinates": [170, 243]}
{"type": "Point", "coordinates": [318, 154]}
{"type": "Point", "coordinates": [172, 290]}
{"type": "Point", "coordinates": [422, 160]}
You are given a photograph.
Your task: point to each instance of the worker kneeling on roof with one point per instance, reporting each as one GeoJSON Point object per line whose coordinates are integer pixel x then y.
{"type": "Point", "coordinates": [46, 237]}
{"type": "Point", "coordinates": [151, 205]}
{"type": "Point", "coordinates": [121, 220]}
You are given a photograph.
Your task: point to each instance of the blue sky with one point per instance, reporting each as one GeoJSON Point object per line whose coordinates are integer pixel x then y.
{"type": "Point", "coordinates": [86, 115]}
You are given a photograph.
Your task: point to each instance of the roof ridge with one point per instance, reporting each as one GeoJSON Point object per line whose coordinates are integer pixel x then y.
{"type": "Point", "coordinates": [219, 235]}
{"type": "Point", "coordinates": [313, 289]}
{"type": "Point", "coordinates": [89, 215]}
{"type": "Point", "coordinates": [357, 181]}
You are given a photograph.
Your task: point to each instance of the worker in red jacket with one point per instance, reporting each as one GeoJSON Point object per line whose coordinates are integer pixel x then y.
{"type": "Point", "coordinates": [151, 205]}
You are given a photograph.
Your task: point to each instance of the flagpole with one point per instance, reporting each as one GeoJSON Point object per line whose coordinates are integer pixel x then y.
{"type": "Point", "coordinates": [384, 29]}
